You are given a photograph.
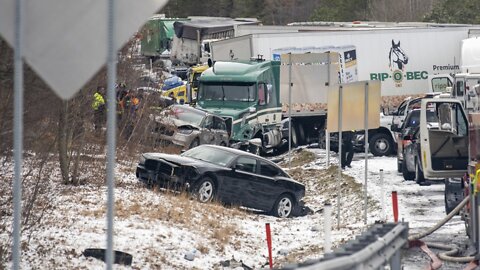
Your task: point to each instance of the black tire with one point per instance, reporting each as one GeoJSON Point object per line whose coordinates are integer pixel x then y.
{"type": "Point", "coordinates": [300, 133]}
{"type": "Point", "coordinates": [294, 136]}
{"type": "Point", "coordinates": [453, 194]}
{"type": "Point", "coordinates": [195, 143]}
{"type": "Point", "coordinates": [381, 145]}
{"type": "Point", "coordinates": [399, 166]}
{"type": "Point", "coordinates": [284, 206]}
{"type": "Point", "coordinates": [406, 174]}
{"type": "Point", "coordinates": [206, 190]}
{"type": "Point", "coordinates": [419, 178]}
{"type": "Point", "coordinates": [322, 142]}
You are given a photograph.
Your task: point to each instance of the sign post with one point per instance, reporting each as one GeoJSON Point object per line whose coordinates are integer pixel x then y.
{"type": "Point", "coordinates": [345, 113]}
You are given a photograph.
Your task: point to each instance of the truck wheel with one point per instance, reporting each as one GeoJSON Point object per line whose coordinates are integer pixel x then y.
{"type": "Point", "coordinates": [381, 145]}
{"type": "Point", "coordinates": [419, 178]}
{"type": "Point", "coordinates": [406, 174]}
{"type": "Point", "coordinates": [453, 194]}
{"type": "Point", "coordinates": [300, 133]}
{"type": "Point", "coordinates": [294, 136]}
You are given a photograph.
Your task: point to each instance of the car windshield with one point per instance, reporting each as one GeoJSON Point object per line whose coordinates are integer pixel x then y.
{"type": "Point", "coordinates": [227, 92]}
{"type": "Point", "coordinates": [210, 154]}
{"type": "Point", "coordinates": [186, 114]}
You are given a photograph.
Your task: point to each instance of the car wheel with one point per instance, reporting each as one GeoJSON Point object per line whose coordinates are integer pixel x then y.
{"type": "Point", "coordinates": [381, 145]}
{"type": "Point", "coordinates": [407, 175]}
{"type": "Point", "coordinates": [419, 178]}
{"type": "Point", "coordinates": [283, 207]}
{"type": "Point", "coordinates": [194, 144]}
{"type": "Point", "coordinates": [453, 194]}
{"type": "Point", "coordinates": [206, 190]}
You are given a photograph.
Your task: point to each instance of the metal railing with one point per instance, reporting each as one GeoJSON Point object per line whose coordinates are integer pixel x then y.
{"type": "Point", "coordinates": [380, 245]}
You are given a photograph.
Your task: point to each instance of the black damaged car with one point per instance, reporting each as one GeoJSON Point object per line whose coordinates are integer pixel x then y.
{"type": "Point", "coordinates": [228, 175]}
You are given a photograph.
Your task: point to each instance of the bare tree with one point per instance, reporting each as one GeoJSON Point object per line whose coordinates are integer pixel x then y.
{"type": "Point", "coordinates": [399, 10]}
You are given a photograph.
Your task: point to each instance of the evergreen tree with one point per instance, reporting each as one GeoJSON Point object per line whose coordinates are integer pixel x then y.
{"type": "Point", "coordinates": [455, 11]}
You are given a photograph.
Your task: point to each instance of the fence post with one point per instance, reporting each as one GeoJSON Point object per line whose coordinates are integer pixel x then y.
{"type": "Point", "coordinates": [269, 244]}
{"type": "Point", "coordinates": [327, 223]}
{"type": "Point", "coordinates": [382, 196]}
{"type": "Point", "coordinates": [327, 146]}
{"type": "Point", "coordinates": [395, 206]}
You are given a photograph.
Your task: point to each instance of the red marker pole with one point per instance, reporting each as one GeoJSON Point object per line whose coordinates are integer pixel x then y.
{"type": "Point", "coordinates": [395, 206]}
{"type": "Point", "coordinates": [269, 244]}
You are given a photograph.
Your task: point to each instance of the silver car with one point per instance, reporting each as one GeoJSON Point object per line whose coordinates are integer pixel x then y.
{"type": "Point", "coordinates": [187, 127]}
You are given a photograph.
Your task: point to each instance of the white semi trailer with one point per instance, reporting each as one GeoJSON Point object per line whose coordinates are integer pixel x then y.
{"type": "Point", "coordinates": [403, 58]}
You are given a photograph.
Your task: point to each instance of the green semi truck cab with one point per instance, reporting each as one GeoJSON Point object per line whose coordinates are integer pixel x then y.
{"type": "Point", "coordinates": [157, 35]}
{"type": "Point", "coordinates": [247, 95]}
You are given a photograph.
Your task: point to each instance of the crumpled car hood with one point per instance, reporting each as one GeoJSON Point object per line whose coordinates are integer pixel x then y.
{"type": "Point", "coordinates": [173, 122]}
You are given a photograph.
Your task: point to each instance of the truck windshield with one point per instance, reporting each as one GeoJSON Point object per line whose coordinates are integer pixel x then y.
{"type": "Point", "coordinates": [227, 92]}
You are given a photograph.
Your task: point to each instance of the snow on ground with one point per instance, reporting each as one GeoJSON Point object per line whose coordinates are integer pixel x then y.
{"type": "Point", "coordinates": [160, 228]}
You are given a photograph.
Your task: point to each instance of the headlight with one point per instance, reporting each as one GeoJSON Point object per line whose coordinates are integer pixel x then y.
{"type": "Point", "coordinates": [185, 131]}
{"type": "Point", "coordinates": [142, 159]}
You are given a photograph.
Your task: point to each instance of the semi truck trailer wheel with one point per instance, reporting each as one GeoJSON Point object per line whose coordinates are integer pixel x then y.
{"type": "Point", "coordinates": [381, 145]}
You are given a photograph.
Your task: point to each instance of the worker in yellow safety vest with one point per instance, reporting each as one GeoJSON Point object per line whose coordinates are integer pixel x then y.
{"type": "Point", "coordinates": [98, 106]}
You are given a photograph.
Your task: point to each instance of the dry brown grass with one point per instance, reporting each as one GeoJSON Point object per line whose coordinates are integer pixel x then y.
{"type": "Point", "coordinates": [300, 157]}
{"type": "Point", "coordinates": [300, 254]}
{"type": "Point", "coordinates": [223, 234]}
{"type": "Point", "coordinates": [96, 213]}
{"type": "Point", "coordinates": [178, 209]}
{"type": "Point", "coordinates": [157, 259]}
{"type": "Point", "coordinates": [204, 249]}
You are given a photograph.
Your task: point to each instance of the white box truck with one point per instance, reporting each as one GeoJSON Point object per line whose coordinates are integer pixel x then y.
{"type": "Point", "coordinates": [403, 58]}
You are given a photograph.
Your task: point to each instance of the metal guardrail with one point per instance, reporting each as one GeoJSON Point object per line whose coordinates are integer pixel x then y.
{"type": "Point", "coordinates": [379, 245]}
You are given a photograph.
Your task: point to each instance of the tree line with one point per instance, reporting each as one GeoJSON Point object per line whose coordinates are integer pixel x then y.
{"type": "Point", "coordinates": [281, 12]}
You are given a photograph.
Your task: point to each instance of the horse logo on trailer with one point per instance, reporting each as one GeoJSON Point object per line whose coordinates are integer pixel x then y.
{"type": "Point", "coordinates": [397, 57]}
{"type": "Point", "coordinates": [397, 61]}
